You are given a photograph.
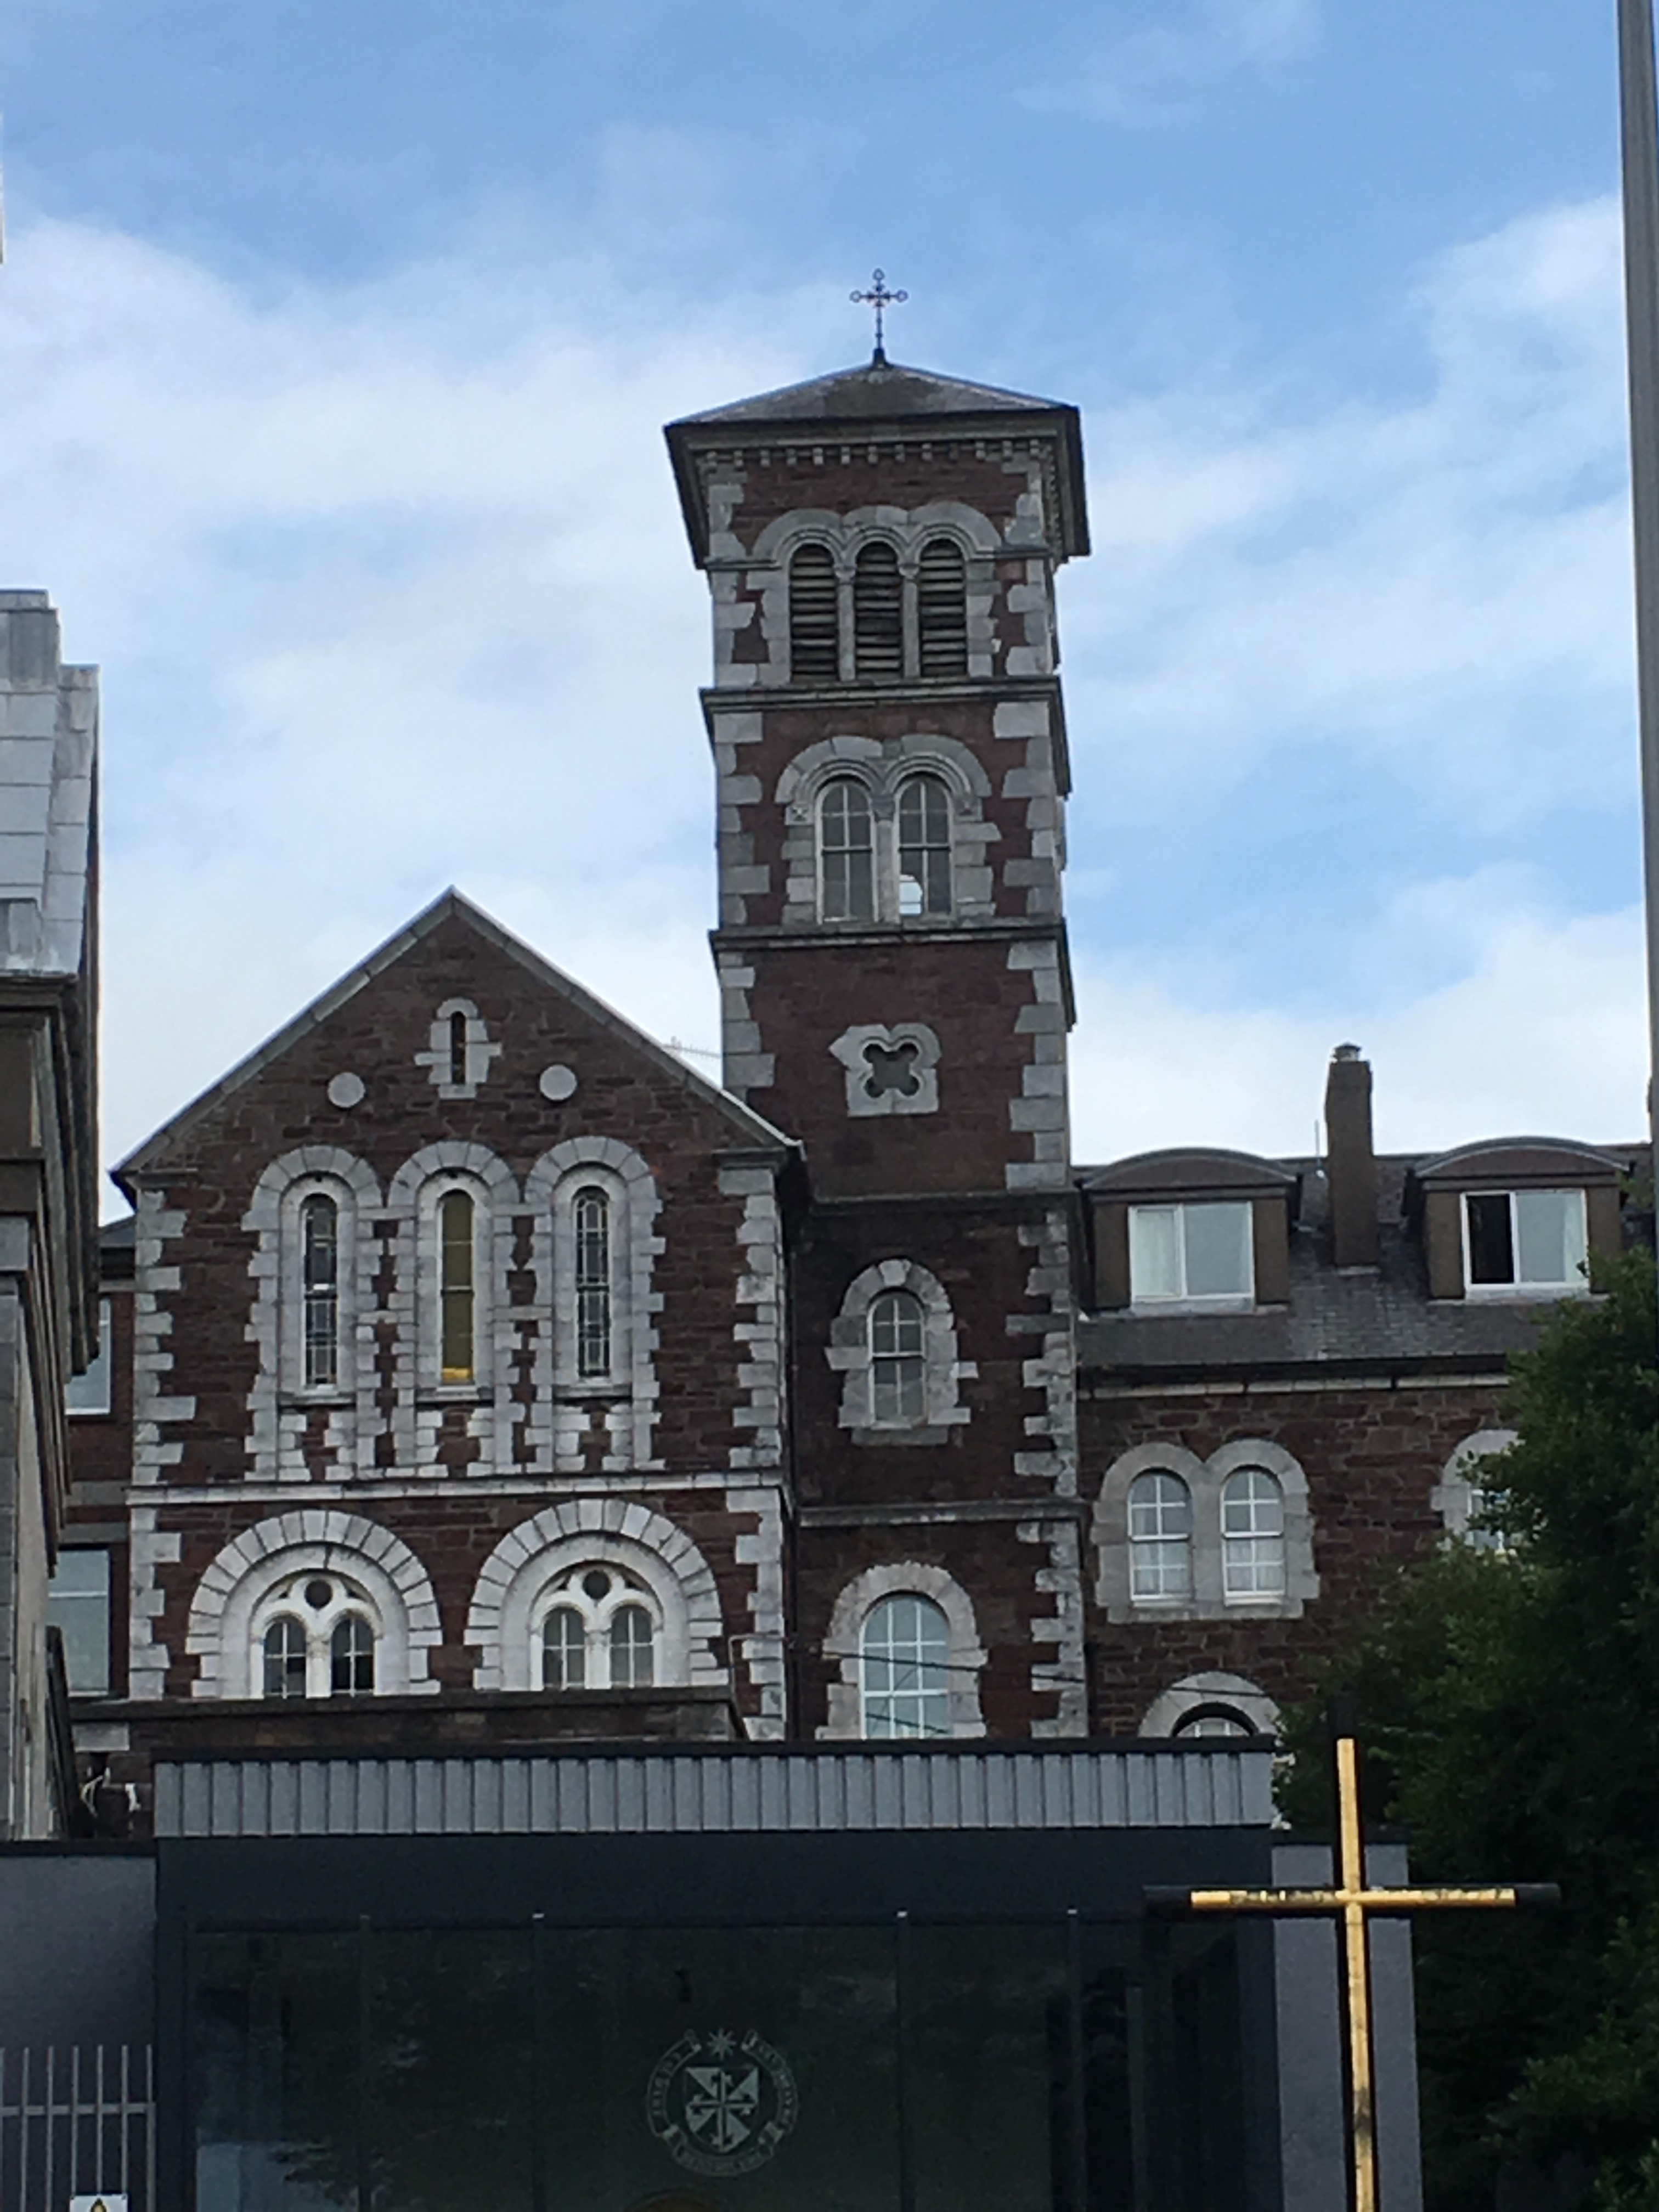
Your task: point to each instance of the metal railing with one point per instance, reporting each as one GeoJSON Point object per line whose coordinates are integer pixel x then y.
{"type": "Point", "coordinates": [76, 2120]}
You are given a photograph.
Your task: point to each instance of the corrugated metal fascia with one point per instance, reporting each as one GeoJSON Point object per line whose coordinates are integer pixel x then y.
{"type": "Point", "coordinates": [861, 1790]}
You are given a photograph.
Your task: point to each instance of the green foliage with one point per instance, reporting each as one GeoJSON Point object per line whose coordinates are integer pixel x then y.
{"type": "Point", "coordinates": [1510, 1707]}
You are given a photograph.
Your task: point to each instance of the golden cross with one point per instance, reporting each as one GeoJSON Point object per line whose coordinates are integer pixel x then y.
{"type": "Point", "coordinates": [1354, 1902]}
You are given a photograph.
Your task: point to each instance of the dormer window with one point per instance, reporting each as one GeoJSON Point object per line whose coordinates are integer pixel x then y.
{"type": "Point", "coordinates": [1192, 1252]}
{"type": "Point", "coordinates": [1524, 1240]}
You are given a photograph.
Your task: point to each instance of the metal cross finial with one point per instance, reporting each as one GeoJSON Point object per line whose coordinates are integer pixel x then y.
{"type": "Point", "coordinates": [880, 298]}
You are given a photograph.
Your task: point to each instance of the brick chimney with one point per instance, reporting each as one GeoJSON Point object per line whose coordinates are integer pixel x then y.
{"type": "Point", "coordinates": [1351, 1159]}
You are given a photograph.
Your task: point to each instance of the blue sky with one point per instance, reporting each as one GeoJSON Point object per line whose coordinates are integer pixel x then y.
{"type": "Point", "coordinates": [335, 338]}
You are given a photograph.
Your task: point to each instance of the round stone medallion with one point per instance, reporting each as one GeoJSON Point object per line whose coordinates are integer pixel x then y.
{"type": "Point", "coordinates": [558, 1082]}
{"type": "Point", "coordinates": [346, 1089]}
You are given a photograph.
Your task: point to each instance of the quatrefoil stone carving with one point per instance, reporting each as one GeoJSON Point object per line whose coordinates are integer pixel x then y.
{"type": "Point", "coordinates": [890, 1070]}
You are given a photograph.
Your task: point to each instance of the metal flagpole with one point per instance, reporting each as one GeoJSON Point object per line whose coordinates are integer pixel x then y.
{"type": "Point", "coordinates": [1640, 137]}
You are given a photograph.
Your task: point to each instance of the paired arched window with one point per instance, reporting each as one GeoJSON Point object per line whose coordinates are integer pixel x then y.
{"type": "Point", "coordinates": [846, 855]}
{"type": "Point", "coordinates": [1253, 1536]}
{"type": "Point", "coordinates": [314, 1637]}
{"type": "Point", "coordinates": [597, 1630]}
{"type": "Point", "coordinates": [878, 614]}
{"type": "Point", "coordinates": [458, 1358]}
{"type": "Point", "coordinates": [942, 609]}
{"type": "Point", "coordinates": [907, 872]}
{"type": "Point", "coordinates": [898, 1372]}
{"type": "Point", "coordinates": [1160, 1538]}
{"type": "Point", "coordinates": [905, 1669]}
{"type": "Point", "coordinates": [319, 1280]}
{"type": "Point", "coordinates": [814, 617]}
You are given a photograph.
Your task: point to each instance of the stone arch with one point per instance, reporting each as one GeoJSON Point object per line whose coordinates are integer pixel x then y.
{"type": "Point", "coordinates": [1456, 1497]}
{"type": "Point", "coordinates": [576, 1530]}
{"type": "Point", "coordinates": [849, 1355]}
{"type": "Point", "coordinates": [1205, 1479]}
{"type": "Point", "coordinates": [1193, 1693]}
{"type": "Point", "coordinates": [236, 1581]}
{"type": "Point", "coordinates": [843, 1644]}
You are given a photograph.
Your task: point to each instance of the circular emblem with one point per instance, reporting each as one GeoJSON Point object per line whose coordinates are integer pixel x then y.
{"type": "Point", "coordinates": [720, 2105]}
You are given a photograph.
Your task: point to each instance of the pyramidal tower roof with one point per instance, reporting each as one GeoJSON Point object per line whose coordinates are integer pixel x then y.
{"type": "Point", "coordinates": [882, 400]}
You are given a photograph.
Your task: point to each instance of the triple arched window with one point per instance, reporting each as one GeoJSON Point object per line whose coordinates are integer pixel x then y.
{"type": "Point", "coordinates": [598, 1628]}
{"type": "Point", "coordinates": [886, 621]}
{"type": "Point", "coordinates": [873, 869]}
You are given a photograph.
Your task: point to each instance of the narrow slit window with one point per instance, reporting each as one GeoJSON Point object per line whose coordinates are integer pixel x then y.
{"type": "Point", "coordinates": [285, 1657]}
{"type": "Point", "coordinates": [878, 615]}
{"type": "Point", "coordinates": [942, 609]}
{"type": "Point", "coordinates": [455, 1301]}
{"type": "Point", "coordinates": [351, 1657]}
{"type": "Point", "coordinates": [319, 1260]}
{"type": "Point", "coordinates": [814, 618]}
{"type": "Point", "coordinates": [592, 1227]}
{"type": "Point", "coordinates": [847, 851]}
{"type": "Point", "coordinates": [897, 1370]}
{"type": "Point", "coordinates": [923, 846]}
{"type": "Point", "coordinates": [632, 1648]}
{"type": "Point", "coordinates": [564, 1650]}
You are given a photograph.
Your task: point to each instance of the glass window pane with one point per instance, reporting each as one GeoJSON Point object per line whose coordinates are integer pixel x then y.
{"type": "Point", "coordinates": [285, 1658]}
{"type": "Point", "coordinates": [77, 1603]}
{"type": "Point", "coordinates": [1154, 1252]}
{"type": "Point", "coordinates": [564, 1650]}
{"type": "Point", "coordinates": [455, 1264]}
{"type": "Point", "coordinates": [319, 1224]}
{"type": "Point", "coordinates": [1253, 1536]}
{"type": "Point", "coordinates": [1218, 1249]}
{"type": "Point", "coordinates": [1160, 1537]}
{"type": "Point", "coordinates": [89, 1391]}
{"type": "Point", "coordinates": [846, 839]}
{"type": "Point", "coordinates": [592, 1227]}
{"type": "Point", "coordinates": [906, 1669]}
{"type": "Point", "coordinates": [351, 1657]}
{"type": "Point", "coordinates": [1492, 1251]}
{"type": "Point", "coordinates": [1549, 1234]}
{"type": "Point", "coordinates": [632, 1648]}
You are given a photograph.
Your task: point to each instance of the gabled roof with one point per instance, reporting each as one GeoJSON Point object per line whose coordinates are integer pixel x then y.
{"type": "Point", "coordinates": [749, 1129]}
{"type": "Point", "coordinates": [879, 397]}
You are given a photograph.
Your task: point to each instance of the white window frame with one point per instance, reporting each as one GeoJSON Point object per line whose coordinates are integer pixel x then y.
{"type": "Point", "coordinates": [291, 1320]}
{"type": "Point", "coordinates": [936, 1692]}
{"type": "Point", "coordinates": [1201, 1301]}
{"type": "Point", "coordinates": [1143, 1543]}
{"type": "Point", "coordinates": [843, 780]}
{"type": "Point", "coordinates": [617, 1379]}
{"type": "Point", "coordinates": [1519, 1286]}
{"type": "Point", "coordinates": [1242, 1557]}
{"type": "Point", "coordinates": [843, 1646]}
{"type": "Point", "coordinates": [1207, 1480]}
{"type": "Point", "coordinates": [434, 1191]}
{"type": "Point", "coordinates": [286, 1601]}
{"type": "Point", "coordinates": [851, 1355]}
{"type": "Point", "coordinates": [565, 1593]}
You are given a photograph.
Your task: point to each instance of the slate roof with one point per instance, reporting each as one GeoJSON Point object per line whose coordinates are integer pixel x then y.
{"type": "Point", "coordinates": [1381, 1321]}
{"type": "Point", "coordinates": [874, 389]}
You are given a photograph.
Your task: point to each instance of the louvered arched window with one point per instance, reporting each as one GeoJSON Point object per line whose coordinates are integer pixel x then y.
{"type": "Point", "coordinates": [923, 846]}
{"type": "Point", "coordinates": [845, 852]}
{"type": "Point", "coordinates": [942, 609]}
{"type": "Point", "coordinates": [814, 618]}
{"type": "Point", "coordinates": [878, 614]}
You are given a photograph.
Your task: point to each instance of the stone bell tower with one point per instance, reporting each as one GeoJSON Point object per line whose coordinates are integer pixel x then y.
{"type": "Point", "coordinates": [881, 547]}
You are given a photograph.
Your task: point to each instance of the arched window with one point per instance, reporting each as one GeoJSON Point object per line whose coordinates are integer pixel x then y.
{"type": "Point", "coordinates": [457, 1077]}
{"type": "Point", "coordinates": [878, 614]}
{"type": "Point", "coordinates": [592, 1228]}
{"type": "Point", "coordinates": [1252, 1535]}
{"type": "Point", "coordinates": [942, 609]}
{"type": "Point", "coordinates": [845, 852]}
{"type": "Point", "coordinates": [319, 1265]}
{"type": "Point", "coordinates": [1160, 1538]}
{"type": "Point", "coordinates": [598, 1628]}
{"type": "Point", "coordinates": [814, 618]}
{"type": "Point", "coordinates": [351, 1656]}
{"type": "Point", "coordinates": [905, 1670]}
{"type": "Point", "coordinates": [923, 846]}
{"type": "Point", "coordinates": [314, 1637]}
{"type": "Point", "coordinates": [898, 1376]}
{"type": "Point", "coordinates": [457, 1356]}
{"type": "Point", "coordinates": [284, 1671]}
{"type": "Point", "coordinates": [1213, 1720]}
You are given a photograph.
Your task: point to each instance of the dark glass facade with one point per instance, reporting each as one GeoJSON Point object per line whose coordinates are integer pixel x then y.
{"type": "Point", "coordinates": [1052, 2064]}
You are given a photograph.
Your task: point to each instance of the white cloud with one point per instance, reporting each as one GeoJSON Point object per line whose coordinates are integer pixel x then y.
{"type": "Point", "coordinates": [390, 592]}
{"type": "Point", "coordinates": [1152, 75]}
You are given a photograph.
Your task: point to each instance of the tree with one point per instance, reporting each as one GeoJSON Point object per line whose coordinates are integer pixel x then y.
{"type": "Point", "coordinates": [1509, 1701]}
